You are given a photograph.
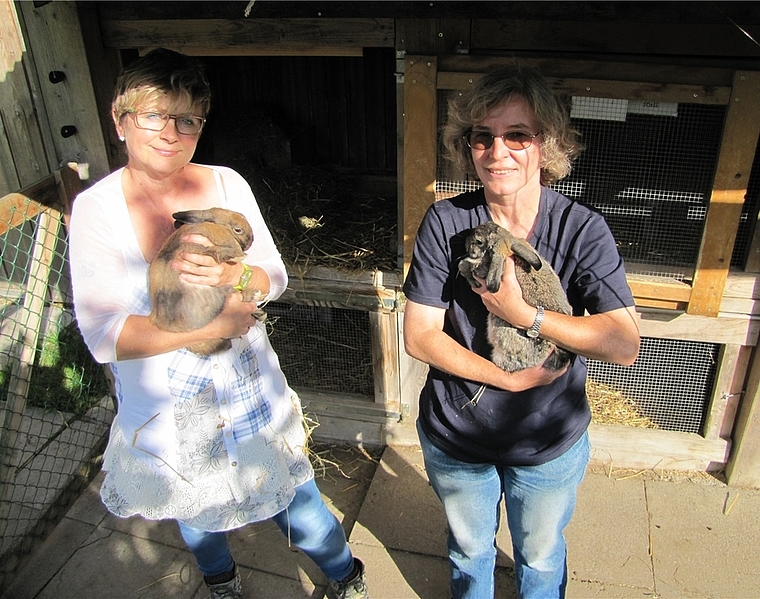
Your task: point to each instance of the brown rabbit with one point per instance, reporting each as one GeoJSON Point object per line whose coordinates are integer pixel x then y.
{"type": "Point", "coordinates": [488, 246]}
{"type": "Point", "coordinates": [179, 306]}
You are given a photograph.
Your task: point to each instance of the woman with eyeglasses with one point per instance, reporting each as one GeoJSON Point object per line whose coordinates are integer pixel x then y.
{"type": "Point", "coordinates": [213, 442]}
{"type": "Point", "coordinates": [525, 437]}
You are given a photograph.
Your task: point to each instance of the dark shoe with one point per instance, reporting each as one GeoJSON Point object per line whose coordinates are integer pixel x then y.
{"type": "Point", "coordinates": [231, 589]}
{"type": "Point", "coordinates": [353, 588]}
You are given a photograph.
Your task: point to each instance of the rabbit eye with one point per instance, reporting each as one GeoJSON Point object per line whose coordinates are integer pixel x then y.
{"type": "Point", "coordinates": [238, 230]}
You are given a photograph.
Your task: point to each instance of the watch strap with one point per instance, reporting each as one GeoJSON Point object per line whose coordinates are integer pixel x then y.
{"type": "Point", "coordinates": [535, 329]}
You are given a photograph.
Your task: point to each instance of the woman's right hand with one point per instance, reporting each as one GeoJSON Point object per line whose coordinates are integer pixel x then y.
{"type": "Point", "coordinates": [235, 319]}
{"type": "Point", "coordinates": [535, 376]}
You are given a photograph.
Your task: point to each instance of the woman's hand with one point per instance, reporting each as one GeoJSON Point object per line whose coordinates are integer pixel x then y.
{"type": "Point", "coordinates": [508, 303]}
{"type": "Point", "coordinates": [234, 321]}
{"type": "Point", "coordinates": [204, 270]}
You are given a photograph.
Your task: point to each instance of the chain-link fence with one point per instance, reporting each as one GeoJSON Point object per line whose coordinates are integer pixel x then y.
{"type": "Point", "coordinates": [55, 406]}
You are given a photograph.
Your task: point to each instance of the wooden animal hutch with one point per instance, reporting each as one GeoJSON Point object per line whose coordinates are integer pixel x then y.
{"type": "Point", "coordinates": [667, 95]}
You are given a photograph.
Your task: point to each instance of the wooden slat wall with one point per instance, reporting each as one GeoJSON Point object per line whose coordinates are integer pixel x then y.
{"type": "Point", "coordinates": [339, 111]}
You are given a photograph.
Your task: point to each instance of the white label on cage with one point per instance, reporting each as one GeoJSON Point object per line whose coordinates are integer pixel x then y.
{"type": "Point", "coordinates": [603, 109]}
{"type": "Point", "coordinates": [653, 107]}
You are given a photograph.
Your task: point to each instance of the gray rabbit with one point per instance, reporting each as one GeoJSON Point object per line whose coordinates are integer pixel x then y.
{"type": "Point", "coordinates": [488, 246]}
{"type": "Point", "coordinates": [179, 306]}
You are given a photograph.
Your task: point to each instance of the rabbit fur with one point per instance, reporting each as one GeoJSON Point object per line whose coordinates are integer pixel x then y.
{"type": "Point", "coordinates": [488, 246]}
{"type": "Point", "coordinates": [179, 306]}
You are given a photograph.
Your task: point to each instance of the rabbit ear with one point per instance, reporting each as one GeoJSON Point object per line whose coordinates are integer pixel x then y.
{"type": "Point", "coordinates": [527, 253]}
{"type": "Point", "coordinates": [191, 216]}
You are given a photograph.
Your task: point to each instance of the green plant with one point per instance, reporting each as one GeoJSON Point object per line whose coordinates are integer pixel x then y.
{"type": "Point", "coordinates": [65, 377]}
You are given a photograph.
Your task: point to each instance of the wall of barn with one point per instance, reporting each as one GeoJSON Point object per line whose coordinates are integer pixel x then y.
{"type": "Point", "coordinates": [354, 87]}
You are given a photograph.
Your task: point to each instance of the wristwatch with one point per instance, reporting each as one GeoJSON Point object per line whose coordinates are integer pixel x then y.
{"type": "Point", "coordinates": [534, 330]}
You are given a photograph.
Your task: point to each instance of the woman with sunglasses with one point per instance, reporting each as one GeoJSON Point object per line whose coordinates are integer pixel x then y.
{"type": "Point", "coordinates": [525, 439]}
{"type": "Point", "coordinates": [213, 442]}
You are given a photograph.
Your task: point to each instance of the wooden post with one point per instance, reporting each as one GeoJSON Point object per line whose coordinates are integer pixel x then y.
{"type": "Point", "coordinates": [737, 152]}
{"type": "Point", "coordinates": [743, 467]}
{"type": "Point", "coordinates": [420, 145]}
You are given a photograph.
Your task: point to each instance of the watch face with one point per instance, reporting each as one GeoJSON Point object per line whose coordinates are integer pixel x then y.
{"type": "Point", "coordinates": [531, 333]}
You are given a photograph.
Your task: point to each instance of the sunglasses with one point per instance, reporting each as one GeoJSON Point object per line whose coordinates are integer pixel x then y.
{"type": "Point", "coordinates": [514, 140]}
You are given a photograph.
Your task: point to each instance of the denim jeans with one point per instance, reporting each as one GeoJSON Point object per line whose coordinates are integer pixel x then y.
{"type": "Point", "coordinates": [539, 501]}
{"type": "Point", "coordinates": [307, 522]}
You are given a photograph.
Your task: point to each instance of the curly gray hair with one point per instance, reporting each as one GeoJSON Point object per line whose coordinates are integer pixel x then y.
{"type": "Point", "coordinates": [561, 143]}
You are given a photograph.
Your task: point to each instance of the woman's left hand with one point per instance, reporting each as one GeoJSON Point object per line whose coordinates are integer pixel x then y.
{"type": "Point", "coordinates": [204, 270]}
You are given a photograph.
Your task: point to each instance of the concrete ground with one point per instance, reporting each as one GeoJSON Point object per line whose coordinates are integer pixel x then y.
{"type": "Point", "coordinates": [634, 534]}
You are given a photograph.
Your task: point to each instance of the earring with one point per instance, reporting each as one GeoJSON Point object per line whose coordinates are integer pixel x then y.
{"type": "Point", "coordinates": [122, 138]}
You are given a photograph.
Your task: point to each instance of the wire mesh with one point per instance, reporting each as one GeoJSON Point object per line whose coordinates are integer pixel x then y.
{"type": "Point", "coordinates": [648, 167]}
{"type": "Point", "coordinates": [323, 348]}
{"type": "Point", "coordinates": [671, 382]}
{"type": "Point", "coordinates": [54, 404]}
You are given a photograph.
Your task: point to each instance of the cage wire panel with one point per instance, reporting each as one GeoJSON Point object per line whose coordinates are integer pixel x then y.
{"type": "Point", "coordinates": [54, 409]}
{"type": "Point", "coordinates": [670, 383]}
{"type": "Point", "coordinates": [323, 348]}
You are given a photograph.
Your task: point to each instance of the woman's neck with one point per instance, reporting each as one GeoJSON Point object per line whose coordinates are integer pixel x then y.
{"type": "Point", "coordinates": [516, 213]}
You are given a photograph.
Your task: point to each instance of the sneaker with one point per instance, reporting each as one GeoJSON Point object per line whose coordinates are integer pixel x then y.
{"type": "Point", "coordinates": [231, 589]}
{"type": "Point", "coordinates": [354, 588]}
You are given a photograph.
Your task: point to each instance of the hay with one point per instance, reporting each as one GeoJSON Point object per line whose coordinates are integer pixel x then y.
{"type": "Point", "coordinates": [610, 406]}
{"type": "Point", "coordinates": [319, 219]}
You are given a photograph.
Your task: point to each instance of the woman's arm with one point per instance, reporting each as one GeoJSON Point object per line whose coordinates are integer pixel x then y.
{"type": "Point", "coordinates": [609, 336]}
{"type": "Point", "coordinates": [139, 338]}
{"type": "Point", "coordinates": [425, 340]}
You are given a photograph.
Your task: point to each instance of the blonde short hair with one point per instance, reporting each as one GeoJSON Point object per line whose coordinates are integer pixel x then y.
{"type": "Point", "coordinates": [158, 75]}
{"type": "Point", "coordinates": [561, 143]}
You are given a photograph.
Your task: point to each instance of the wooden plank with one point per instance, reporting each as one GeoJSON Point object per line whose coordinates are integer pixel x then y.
{"type": "Point", "coordinates": [743, 469]}
{"type": "Point", "coordinates": [55, 41]}
{"type": "Point", "coordinates": [671, 324]}
{"type": "Point", "coordinates": [598, 88]}
{"type": "Point", "coordinates": [727, 391]}
{"type": "Point", "coordinates": [384, 330]}
{"type": "Point", "coordinates": [15, 210]}
{"type": "Point", "coordinates": [219, 37]}
{"type": "Point", "coordinates": [698, 71]}
{"type": "Point", "coordinates": [618, 35]}
{"type": "Point", "coordinates": [11, 54]}
{"type": "Point", "coordinates": [437, 36]}
{"type": "Point", "coordinates": [740, 134]}
{"type": "Point", "coordinates": [652, 449]}
{"type": "Point", "coordinates": [658, 288]}
{"type": "Point", "coordinates": [420, 146]}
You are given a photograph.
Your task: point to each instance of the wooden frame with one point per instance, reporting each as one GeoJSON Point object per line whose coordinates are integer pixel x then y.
{"type": "Point", "coordinates": [704, 296]}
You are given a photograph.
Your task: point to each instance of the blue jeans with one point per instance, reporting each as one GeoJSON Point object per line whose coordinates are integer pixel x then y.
{"type": "Point", "coordinates": [539, 501]}
{"type": "Point", "coordinates": [308, 523]}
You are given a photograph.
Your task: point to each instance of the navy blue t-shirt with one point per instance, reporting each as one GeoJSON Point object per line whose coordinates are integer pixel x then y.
{"type": "Point", "coordinates": [505, 428]}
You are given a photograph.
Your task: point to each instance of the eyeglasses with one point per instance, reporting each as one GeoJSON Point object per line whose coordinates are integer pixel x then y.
{"type": "Point", "coordinates": [514, 140]}
{"type": "Point", "coordinates": [155, 121]}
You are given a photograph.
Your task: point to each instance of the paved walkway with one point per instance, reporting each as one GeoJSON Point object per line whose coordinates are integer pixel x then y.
{"type": "Point", "coordinates": [633, 535]}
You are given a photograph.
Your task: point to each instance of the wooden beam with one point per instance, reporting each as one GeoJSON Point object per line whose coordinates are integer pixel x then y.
{"type": "Point", "coordinates": [652, 449]}
{"type": "Point", "coordinates": [220, 37]}
{"type": "Point", "coordinates": [671, 324]}
{"type": "Point", "coordinates": [625, 34]}
{"type": "Point", "coordinates": [598, 88]}
{"type": "Point", "coordinates": [420, 145]}
{"type": "Point", "coordinates": [743, 468]}
{"type": "Point", "coordinates": [727, 391]}
{"type": "Point", "coordinates": [658, 288]}
{"type": "Point", "coordinates": [737, 151]}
